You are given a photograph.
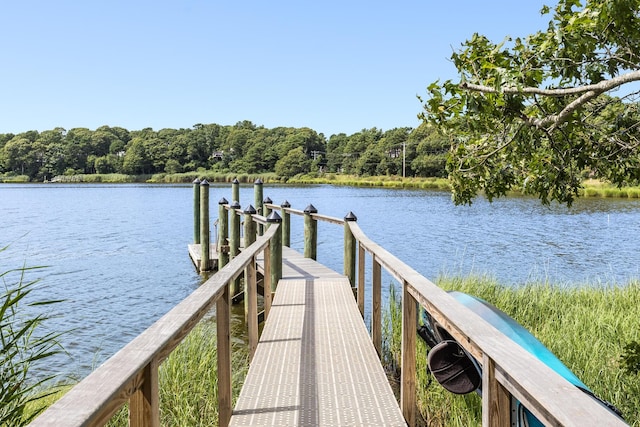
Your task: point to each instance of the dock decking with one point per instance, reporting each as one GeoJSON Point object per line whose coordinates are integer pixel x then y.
{"type": "Point", "coordinates": [315, 363]}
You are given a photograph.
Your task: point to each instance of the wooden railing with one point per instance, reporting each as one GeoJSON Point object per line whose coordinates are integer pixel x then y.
{"type": "Point", "coordinates": [507, 369]}
{"type": "Point", "coordinates": [131, 375]}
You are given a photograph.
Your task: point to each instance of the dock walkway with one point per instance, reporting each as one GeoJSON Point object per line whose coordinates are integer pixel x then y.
{"type": "Point", "coordinates": [315, 363]}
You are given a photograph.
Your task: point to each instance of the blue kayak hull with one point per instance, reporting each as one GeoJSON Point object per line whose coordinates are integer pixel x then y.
{"type": "Point", "coordinates": [516, 332]}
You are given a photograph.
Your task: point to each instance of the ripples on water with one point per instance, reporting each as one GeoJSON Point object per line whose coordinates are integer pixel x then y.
{"type": "Point", "coordinates": [117, 253]}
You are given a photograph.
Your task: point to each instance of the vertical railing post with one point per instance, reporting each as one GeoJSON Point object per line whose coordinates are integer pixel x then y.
{"type": "Point", "coordinates": [286, 223]}
{"type": "Point", "coordinates": [310, 233]}
{"type": "Point", "coordinates": [349, 250]}
{"type": "Point", "coordinates": [196, 211]}
{"type": "Point", "coordinates": [251, 295]}
{"type": "Point", "coordinates": [408, 367]}
{"type": "Point", "coordinates": [266, 209]}
{"type": "Point", "coordinates": [257, 198]}
{"type": "Point", "coordinates": [223, 234]}
{"type": "Point", "coordinates": [205, 258]}
{"type": "Point", "coordinates": [234, 243]}
{"type": "Point", "coordinates": [376, 306]}
{"type": "Point", "coordinates": [223, 334]}
{"type": "Point", "coordinates": [361, 276]}
{"type": "Point", "coordinates": [496, 400]}
{"type": "Point", "coordinates": [249, 238]}
{"type": "Point", "coordinates": [275, 255]}
{"type": "Point", "coordinates": [144, 404]}
{"type": "Point", "coordinates": [235, 190]}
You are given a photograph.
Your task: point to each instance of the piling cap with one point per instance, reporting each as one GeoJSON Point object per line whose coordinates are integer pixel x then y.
{"type": "Point", "coordinates": [204, 182]}
{"type": "Point", "coordinates": [267, 200]}
{"type": "Point", "coordinates": [250, 210]}
{"type": "Point", "coordinates": [196, 181]}
{"type": "Point", "coordinates": [285, 204]}
{"type": "Point", "coordinates": [223, 201]}
{"type": "Point", "coordinates": [274, 217]}
{"type": "Point", "coordinates": [235, 205]}
{"type": "Point", "coordinates": [235, 181]}
{"type": "Point", "coordinates": [310, 209]}
{"type": "Point", "coordinates": [258, 182]}
{"type": "Point", "coordinates": [350, 217]}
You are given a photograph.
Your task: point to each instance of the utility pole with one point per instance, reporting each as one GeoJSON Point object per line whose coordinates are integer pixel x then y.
{"type": "Point", "coordinates": [404, 150]}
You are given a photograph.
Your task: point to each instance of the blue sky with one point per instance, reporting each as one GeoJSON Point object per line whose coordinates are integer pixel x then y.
{"type": "Point", "coordinates": [333, 66]}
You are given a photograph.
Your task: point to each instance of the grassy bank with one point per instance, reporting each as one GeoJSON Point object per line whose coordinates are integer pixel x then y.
{"type": "Point", "coordinates": [591, 188]}
{"type": "Point", "coordinates": [587, 327]}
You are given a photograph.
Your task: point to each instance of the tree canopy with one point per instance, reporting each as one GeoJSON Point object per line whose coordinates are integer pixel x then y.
{"type": "Point", "coordinates": [240, 148]}
{"type": "Point", "coordinates": [542, 113]}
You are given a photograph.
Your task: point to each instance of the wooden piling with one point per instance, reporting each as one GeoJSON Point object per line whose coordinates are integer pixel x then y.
{"type": "Point", "coordinates": [205, 261]}
{"type": "Point", "coordinates": [286, 223]}
{"type": "Point", "coordinates": [235, 190]}
{"type": "Point", "coordinates": [234, 242]}
{"type": "Point", "coordinates": [257, 198]}
{"type": "Point", "coordinates": [196, 211]}
{"type": "Point", "coordinates": [275, 253]}
{"type": "Point", "coordinates": [223, 234]}
{"type": "Point", "coordinates": [310, 233]}
{"type": "Point", "coordinates": [250, 230]}
{"type": "Point", "coordinates": [349, 250]}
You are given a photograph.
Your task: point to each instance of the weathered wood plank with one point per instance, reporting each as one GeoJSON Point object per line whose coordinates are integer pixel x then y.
{"type": "Point", "coordinates": [315, 363]}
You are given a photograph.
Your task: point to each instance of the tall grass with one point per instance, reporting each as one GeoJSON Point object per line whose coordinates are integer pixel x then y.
{"type": "Point", "coordinates": [588, 327]}
{"type": "Point", "coordinates": [23, 397]}
{"type": "Point", "coordinates": [189, 381]}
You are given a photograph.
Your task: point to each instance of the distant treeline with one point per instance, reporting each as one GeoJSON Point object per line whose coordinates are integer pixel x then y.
{"type": "Point", "coordinates": [240, 148]}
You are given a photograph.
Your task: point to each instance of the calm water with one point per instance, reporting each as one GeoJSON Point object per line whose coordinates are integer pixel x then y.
{"type": "Point", "coordinates": [117, 253]}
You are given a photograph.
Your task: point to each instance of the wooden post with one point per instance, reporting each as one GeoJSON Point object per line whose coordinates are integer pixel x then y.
{"type": "Point", "coordinates": [234, 244]}
{"type": "Point", "coordinates": [349, 250]}
{"type": "Point", "coordinates": [235, 190]}
{"type": "Point", "coordinates": [257, 198]}
{"type": "Point", "coordinates": [205, 262]}
{"type": "Point", "coordinates": [251, 295]}
{"type": "Point", "coordinates": [266, 209]}
{"type": "Point", "coordinates": [286, 223]}
{"type": "Point", "coordinates": [376, 306]}
{"type": "Point", "coordinates": [267, 286]}
{"type": "Point", "coordinates": [223, 234]}
{"type": "Point", "coordinates": [196, 211]}
{"type": "Point", "coordinates": [144, 406]}
{"type": "Point", "coordinates": [496, 400]}
{"type": "Point", "coordinates": [408, 368]}
{"type": "Point", "coordinates": [249, 238]}
{"type": "Point", "coordinates": [310, 233]}
{"type": "Point", "coordinates": [360, 296]}
{"type": "Point", "coordinates": [223, 333]}
{"type": "Point", "coordinates": [275, 256]}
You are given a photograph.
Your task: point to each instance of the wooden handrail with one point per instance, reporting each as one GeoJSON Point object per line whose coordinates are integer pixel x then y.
{"type": "Point", "coordinates": [132, 373]}
{"type": "Point", "coordinates": [508, 369]}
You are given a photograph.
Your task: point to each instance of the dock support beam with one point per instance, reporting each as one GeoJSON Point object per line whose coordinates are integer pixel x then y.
{"type": "Point", "coordinates": [349, 250]}
{"type": "Point", "coordinates": [205, 259]}
{"type": "Point", "coordinates": [196, 211]}
{"type": "Point", "coordinates": [310, 233]}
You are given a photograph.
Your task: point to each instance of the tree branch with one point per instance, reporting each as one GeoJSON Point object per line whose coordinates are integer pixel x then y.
{"type": "Point", "coordinates": [600, 87]}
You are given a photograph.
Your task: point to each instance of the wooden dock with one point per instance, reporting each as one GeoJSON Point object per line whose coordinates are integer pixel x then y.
{"type": "Point", "coordinates": [315, 363]}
